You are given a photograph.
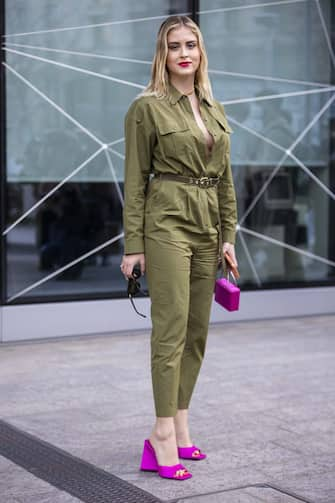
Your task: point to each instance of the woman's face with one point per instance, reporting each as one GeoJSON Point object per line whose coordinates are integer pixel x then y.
{"type": "Point", "coordinates": [183, 47]}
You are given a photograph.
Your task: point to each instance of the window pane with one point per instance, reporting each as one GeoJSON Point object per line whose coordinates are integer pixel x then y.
{"type": "Point", "coordinates": [271, 67]}
{"type": "Point", "coordinates": [71, 75]}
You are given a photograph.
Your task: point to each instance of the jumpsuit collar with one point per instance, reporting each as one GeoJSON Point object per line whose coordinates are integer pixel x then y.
{"type": "Point", "coordinates": [175, 95]}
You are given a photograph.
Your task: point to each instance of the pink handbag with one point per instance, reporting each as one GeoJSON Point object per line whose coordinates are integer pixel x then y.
{"type": "Point", "coordinates": [227, 294]}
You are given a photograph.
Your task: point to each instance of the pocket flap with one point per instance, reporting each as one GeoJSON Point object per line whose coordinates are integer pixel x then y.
{"type": "Point", "coordinates": [168, 127]}
{"type": "Point", "coordinates": [223, 122]}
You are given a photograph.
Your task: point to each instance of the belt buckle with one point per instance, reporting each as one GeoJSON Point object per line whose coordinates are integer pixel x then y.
{"type": "Point", "coordinates": [204, 181]}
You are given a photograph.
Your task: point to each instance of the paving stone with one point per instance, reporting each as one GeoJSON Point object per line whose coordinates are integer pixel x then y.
{"type": "Point", "coordinates": [315, 487]}
{"type": "Point", "coordinates": [238, 496]}
{"type": "Point", "coordinates": [204, 480]}
{"type": "Point", "coordinates": [52, 497]}
{"type": "Point", "coordinates": [269, 495]}
{"type": "Point", "coordinates": [248, 495]}
{"type": "Point", "coordinates": [262, 410]}
{"type": "Point", "coordinates": [18, 484]}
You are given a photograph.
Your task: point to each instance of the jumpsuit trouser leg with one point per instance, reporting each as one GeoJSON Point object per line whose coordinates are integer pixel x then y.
{"type": "Point", "coordinates": [181, 278]}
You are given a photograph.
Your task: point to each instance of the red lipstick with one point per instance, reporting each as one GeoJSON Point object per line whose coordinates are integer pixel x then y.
{"type": "Point", "coordinates": [184, 64]}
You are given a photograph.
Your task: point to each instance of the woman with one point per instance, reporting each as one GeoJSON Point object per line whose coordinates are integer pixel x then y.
{"type": "Point", "coordinates": [176, 225]}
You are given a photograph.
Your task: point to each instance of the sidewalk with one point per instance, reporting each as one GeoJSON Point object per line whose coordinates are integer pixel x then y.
{"type": "Point", "coordinates": [263, 410]}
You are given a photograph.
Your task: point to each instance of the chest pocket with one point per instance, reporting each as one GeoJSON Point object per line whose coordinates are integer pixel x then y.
{"type": "Point", "coordinates": [174, 139]}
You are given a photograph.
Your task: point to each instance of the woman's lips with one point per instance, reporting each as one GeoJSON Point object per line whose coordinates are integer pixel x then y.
{"type": "Point", "coordinates": [186, 63]}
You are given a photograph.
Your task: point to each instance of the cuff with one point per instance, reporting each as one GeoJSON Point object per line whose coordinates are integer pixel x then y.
{"type": "Point", "coordinates": [133, 246]}
{"type": "Point", "coordinates": [228, 236]}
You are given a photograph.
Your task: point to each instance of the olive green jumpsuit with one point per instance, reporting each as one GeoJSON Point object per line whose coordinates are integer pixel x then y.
{"type": "Point", "coordinates": [178, 227]}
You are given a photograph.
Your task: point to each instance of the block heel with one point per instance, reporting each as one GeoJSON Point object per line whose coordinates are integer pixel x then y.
{"type": "Point", "coordinates": [149, 463]}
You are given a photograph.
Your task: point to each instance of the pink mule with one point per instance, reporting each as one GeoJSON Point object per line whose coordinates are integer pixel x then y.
{"type": "Point", "coordinates": [149, 463]}
{"type": "Point", "coordinates": [192, 452]}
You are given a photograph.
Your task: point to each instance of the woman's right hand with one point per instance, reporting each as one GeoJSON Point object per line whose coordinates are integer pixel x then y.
{"type": "Point", "coordinates": [129, 261]}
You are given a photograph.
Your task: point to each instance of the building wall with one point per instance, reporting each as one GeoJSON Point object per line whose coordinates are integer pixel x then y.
{"type": "Point", "coordinates": [70, 74]}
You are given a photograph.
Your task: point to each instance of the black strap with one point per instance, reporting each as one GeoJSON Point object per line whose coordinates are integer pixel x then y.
{"type": "Point", "coordinates": [134, 287]}
{"type": "Point", "coordinates": [132, 303]}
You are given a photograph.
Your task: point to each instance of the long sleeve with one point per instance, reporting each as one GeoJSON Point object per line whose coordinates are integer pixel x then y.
{"type": "Point", "coordinates": [139, 143]}
{"type": "Point", "coordinates": [227, 199]}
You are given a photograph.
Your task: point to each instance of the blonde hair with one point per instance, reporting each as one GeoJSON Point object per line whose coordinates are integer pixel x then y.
{"type": "Point", "coordinates": [158, 85]}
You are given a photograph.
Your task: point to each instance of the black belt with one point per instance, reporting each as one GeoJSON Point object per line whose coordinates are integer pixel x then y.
{"type": "Point", "coordinates": [203, 182]}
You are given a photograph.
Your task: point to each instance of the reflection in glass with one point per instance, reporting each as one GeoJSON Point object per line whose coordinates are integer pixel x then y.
{"type": "Point", "coordinates": [72, 74]}
{"type": "Point", "coordinates": [280, 147]}
{"type": "Point", "coordinates": [254, 54]}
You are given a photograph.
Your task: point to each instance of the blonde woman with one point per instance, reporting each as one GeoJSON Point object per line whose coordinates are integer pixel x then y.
{"type": "Point", "coordinates": [179, 217]}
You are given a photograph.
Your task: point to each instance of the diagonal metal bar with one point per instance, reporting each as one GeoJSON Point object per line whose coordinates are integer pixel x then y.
{"type": "Point", "coordinates": [111, 167]}
{"type": "Point", "coordinates": [65, 267]}
{"type": "Point", "coordinates": [75, 68]}
{"type": "Point", "coordinates": [96, 25]}
{"type": "Point", "coordinates": [140, 86]}
{"type": "Point", "coordinates": [285, 245]}
{"type": "Point", "coordinates": [53, 104]}
{"type": "Point", "coordinates": [263, 189]}
{"type": "Point", "coordinates": [115, 152]}
{"type": "Point", "coordinates": [79, 53]}
{"type": "Point", "coordinates": [147, 62]}
{"type": "Point", "coordinates": [249, 258]}
{"type": "Point", "coordinates": [313, 121]}
{"type": "Point", "coordinates": [266, 77]}
{"type": "Point", "coordinates": [251, 6]}
{"type": "Point", "coordinates": [74, 121]}
{"type": "Point", "coordinates": [52, 191]}
{"type": "Point", "coordinates": [280, 95]}
{"type": "Point", "coordinates": [287, 153]}
{"type": "Point", "coordinates": [313, 177]}
{"type": "Point", "coordinates": [120, 140]}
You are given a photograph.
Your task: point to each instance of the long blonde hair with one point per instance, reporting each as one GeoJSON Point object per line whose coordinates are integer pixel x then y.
{"type": "Point", "coordinates": [158, 85]}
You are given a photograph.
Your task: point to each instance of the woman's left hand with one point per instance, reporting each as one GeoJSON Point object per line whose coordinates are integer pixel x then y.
{"type": "Point", "coordinates": [230, 249]}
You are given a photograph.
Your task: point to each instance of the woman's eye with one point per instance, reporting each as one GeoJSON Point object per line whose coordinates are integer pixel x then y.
{"type": "Point", "coordinates": [190, 45]}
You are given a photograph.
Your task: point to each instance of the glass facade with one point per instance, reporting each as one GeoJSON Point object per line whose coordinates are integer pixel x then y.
{"type": "Point", "coordinates": [71, 70]}
{"type": "Point", "coordinates": [272, 67]}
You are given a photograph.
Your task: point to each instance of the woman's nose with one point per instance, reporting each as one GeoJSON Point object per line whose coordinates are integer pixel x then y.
{"type": "Point", "coordinates": [184, 51]}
